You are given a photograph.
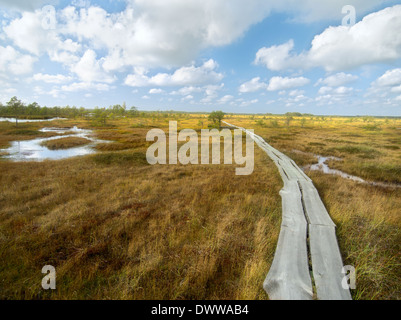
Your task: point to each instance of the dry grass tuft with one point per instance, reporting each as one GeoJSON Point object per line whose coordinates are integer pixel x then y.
{"type": "Point", "coordinates": [65, 143]}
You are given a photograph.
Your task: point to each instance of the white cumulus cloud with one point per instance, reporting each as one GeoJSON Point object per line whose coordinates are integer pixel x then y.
{"type": "Point", "coordinates": [283, 83]}
{"type": "Point", "coordinates": [89, 69]}
{"type": "Point", "coordinates": [375, 39]}
{"type": "Point", "coordinates": [185, 76]}
{"type": "Point", "coordinates": [279, 57]}
{"type": "Point", "coordinates": [390, 78]}
{"type": "Point", "coordinates": [49, 78]}
{"type": "Point", "coordinates": [225, 99]}
{"type": "Point", "coordinates": [155, 91]}
{"type": "Point", "coordinates": [15, 62]}
{"type": "Point", "coordinates": [337, 80]}
{"type": "Point", "coordinates": [155, 33]}
{"type": "Point", "coordinates": [252, 85]}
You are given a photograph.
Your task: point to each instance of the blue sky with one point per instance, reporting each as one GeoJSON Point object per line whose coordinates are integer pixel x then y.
{"type": "Point", "coordinates": [254, 56]}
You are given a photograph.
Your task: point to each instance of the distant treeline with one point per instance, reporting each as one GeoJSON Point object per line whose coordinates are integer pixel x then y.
{"type": "Point", "coordinates": [16, 108]}
{"type": "Point", "coordinates": [298, 114]}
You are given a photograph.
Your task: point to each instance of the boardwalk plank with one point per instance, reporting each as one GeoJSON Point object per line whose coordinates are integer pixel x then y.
{"type": "Point", "coordinates": [304, 214]}
{"type": "Point", "coordinates": [289, 277]}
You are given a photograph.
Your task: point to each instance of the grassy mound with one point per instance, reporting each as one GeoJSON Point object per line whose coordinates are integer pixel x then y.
{"type": "Point", "coordinates": [65, 143]}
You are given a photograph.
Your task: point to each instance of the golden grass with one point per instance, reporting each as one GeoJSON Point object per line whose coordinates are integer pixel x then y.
{"type": "Point", "coordinates": [368, 218]}
{"type": "Point", "coordinates": [369, 233]}
{"type": "Point", "coordinates": [116, 228]}
{"type": "Point", "coordinates": [26, 131]}
{"type": "Point", "coordinates": [372, 155]}
{"type": "Point", "coordinates": [65, 143]}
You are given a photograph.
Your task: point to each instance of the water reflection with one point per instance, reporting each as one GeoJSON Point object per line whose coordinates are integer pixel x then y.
{"type": "Point", "coordinates": [29, 120]}
{"type": "Point", "coordinates": [32, 150]}
{"type": "Point", "coordinates": [323, 167]}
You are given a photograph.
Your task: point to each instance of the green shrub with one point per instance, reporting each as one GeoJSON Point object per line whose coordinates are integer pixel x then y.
{"type": "Point", "coordinates": [136, 158]}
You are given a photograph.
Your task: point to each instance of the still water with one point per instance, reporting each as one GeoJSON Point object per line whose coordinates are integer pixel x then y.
{"type": "Point", "coordinates": [28, 120]}
{"type": "Point", "coordinates": [31, 150]}
{"type": "Point", "coordinates": [323, 167]}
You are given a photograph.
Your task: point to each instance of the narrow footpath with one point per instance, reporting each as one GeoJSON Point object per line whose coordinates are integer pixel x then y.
{"type": "Point", "coordinates": [307, 237]}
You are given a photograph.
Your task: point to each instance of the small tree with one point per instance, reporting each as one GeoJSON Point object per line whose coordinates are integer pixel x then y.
{"type": "Point", "coordinates": [100, 115]}
{"type": "Point", "coordinates": [118, 110]}
{"type": "Point", "coordinates": [288, 120]}
{"type": "Point", "coordinates": [216, 117]}
{"type": "Point", "coordinates": [16, 106]}
{"type": "Point", "coordinates": [274, 123]}
{"type": "Point", "coordinates": [134, 111]}
{"type": "Point", "coordinates": [260, 122]}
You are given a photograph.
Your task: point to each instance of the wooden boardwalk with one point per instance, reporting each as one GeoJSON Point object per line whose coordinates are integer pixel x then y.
{"type": "Point", "coordinates": [307, 233]}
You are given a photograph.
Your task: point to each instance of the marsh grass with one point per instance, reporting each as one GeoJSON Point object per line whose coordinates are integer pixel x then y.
{"type": "Point", "coordinates": [373, 171]}
{"type": "Point", "coordinates": [117, 228]}
{"type": "Point", "coordinates": [138, 232]}
{"type": "Point", "coordinates": [65, 143]}
{"type": "Point", "coordinates": [8, 133]}
{"type": "Point", "coordinates": [368, 218]}
{"type": "Point", "coordinates": [369, 233]}
{"type": "Point", "coordinates": [23, 132]}
{"type": "Point", "coordinates": [119, 158]}
{"type": "Point", "coordinates": [27, 131]}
